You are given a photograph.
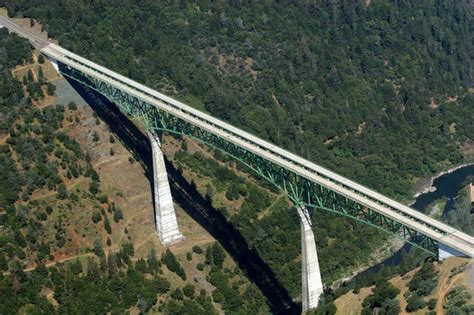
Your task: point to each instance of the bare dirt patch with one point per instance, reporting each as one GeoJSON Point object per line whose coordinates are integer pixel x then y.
{"type": "Point", "coordinates": [434, 103]}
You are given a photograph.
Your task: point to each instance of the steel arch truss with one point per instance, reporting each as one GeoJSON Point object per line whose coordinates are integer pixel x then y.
{"type": "Point", "coordinates": [299, 189]}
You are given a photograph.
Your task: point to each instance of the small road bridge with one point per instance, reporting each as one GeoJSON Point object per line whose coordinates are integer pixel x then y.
{"type": "Point", "coordinates": [307, 184]}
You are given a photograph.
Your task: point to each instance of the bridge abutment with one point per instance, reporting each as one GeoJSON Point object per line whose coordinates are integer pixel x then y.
{"type": "Point", "coordinates": [165, 216]}
{"type": "Point", "coordinates": [312, 285]}
{"type": "Point", "coordinates": [444, 251]}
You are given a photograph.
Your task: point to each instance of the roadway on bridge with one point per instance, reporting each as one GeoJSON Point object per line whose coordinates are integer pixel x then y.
{"type": "Point", "coordinates": [407, 216]}
{"type": "Point", "coordinates": [37, 41]}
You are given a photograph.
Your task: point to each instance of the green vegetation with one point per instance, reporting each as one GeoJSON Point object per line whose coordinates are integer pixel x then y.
{"type": "Point", "coordinates": [347, 85]}
{"type": "Point", "coordinates": [382, 300]}
{"type": "Point", "coordinates": [227, 292]}
{"type": "Point", "coordinates": [457, 302]}
{"type": "Point", "coordinates": [38, 157]}
{"type": "Point", "coordinates": [422, 285]}
{"type": "Point", "coordinates": [95, 289]}
{"type": "Point", "coordinates": [460, 216]}
{"type": "Point", "coordinates": [271, 226]}
{"type": "Point", "coordinates": [173, 264]}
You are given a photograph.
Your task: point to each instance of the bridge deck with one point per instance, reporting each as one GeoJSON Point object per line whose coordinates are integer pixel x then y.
{"type": "Point", "coordinates": [339, 184]}
{"type": "Point", "coordinates": [35, 40]}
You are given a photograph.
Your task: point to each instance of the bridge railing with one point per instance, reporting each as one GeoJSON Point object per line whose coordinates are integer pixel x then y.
{"type": "Point", "coordinates": [259, 144]}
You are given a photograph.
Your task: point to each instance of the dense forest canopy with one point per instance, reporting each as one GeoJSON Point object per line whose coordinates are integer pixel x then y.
{"type": "Point", "coordinates": [360, 87]}
{"type": "Point", "coordinates": [376, 90]}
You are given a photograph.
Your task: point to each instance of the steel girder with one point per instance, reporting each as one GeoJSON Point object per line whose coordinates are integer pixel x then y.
{"type": "Point", "coordinates": [300, 190]}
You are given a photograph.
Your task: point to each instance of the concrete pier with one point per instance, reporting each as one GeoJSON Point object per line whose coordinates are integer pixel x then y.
{"type": "Point", "coordinates": [312, 284]}
{"type": "Point", "coordinates": [165, 216]}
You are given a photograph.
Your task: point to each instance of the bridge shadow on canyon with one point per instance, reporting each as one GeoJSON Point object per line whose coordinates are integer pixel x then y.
{"type": "Point", "coordinates": [194, 204]}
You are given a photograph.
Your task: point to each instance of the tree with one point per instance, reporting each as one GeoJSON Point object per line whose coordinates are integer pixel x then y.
{"type": "Point", "coordinates": [218, 255]}
{"type": "Point", "coordinates": [415, 302]}
{"type": "Point", "coordinates": [141, 266]}
{"type": "Point", "coordinates": [383, 293]}
{"type": "Point", "coordinates": [95, 136]}
{"type": "Point", "coordinates": [107, 226]}
{"type": "Point", "coordinates": [424, 281]}
{"type": "Point", "coordinates": [30, 76]}
{"type": "Point", "coordinates": [41, 58]}
{"type": "Point", "coordinates": [50, 89]}
{"type": "Point", "coordinates": [152, 261]}
{"type": "Point", "coordinates": [98, 250]}
{"type": "Point", "coordinates": [76, 267]}
{"type": "Point", "coordinates": [72, 106]}
{"type": "Point", "coordinates": [40, 75]}
{"type": "Point", "coordinates": [188, 291]}
{"type": "Point", "coordinates": [169, 259]}
{"type": "Point", "coordinates": [62, 191]}
{"type": "Point", "coordinates": [197, 249]}
{"type": "Point", "coordinates": [177, 294]}
{"type": "Point", "coordinates": [117, 214]}
{"type": "Point", "coordinates": [94, 187]}
{"type": "Point", "coordinates": [232, 192]}
{"type": "Point", "coordinates": [96, 217]}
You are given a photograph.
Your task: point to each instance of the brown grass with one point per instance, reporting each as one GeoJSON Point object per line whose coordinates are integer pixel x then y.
{"type": "Point", "coordinates": [350, 303]}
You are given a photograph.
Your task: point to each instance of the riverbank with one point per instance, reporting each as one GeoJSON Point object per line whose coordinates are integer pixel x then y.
{"type": "Point", "coordinates": [390, 248]}
{"type": "Point", "coordinates": [426, 185]}
{"type": "Point", "coordinates": [384, 257]}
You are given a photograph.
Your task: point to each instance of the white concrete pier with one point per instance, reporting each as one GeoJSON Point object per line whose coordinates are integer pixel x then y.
{"type": "Point", "coordinates": [312, 284]}
{"type": "Point", "coordinates": [166, 223]}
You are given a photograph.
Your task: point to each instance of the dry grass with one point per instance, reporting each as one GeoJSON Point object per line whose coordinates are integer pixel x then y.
{"type": "Point", "coordinates": [350, 303]}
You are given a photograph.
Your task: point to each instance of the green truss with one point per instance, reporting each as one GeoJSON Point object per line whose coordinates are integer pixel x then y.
{"type": "Point", "coordinates": [300, 190]}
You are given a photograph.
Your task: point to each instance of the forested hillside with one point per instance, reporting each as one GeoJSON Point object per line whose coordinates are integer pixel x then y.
{"type": "Point", "coordinates": [64, 247]}
{"type": "Point", "coordinates": [375, 90]}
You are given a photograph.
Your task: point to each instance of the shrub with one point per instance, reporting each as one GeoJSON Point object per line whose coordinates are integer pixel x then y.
{"type": "Point", "coordinates": [432, 304]}
{"type": "Point", "coordinates": [96, 217]}
{"type": "Point", "coordinates": [188, 291]}
{"type": "Point", "coordinates": [415, 302]}
{"type": "Point", "coordinates": [72, 106]}
{"type": "Point", "coordinates": [197, 249]}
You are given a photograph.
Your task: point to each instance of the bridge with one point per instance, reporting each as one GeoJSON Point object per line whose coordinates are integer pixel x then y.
{"type": "Point", "coordinates": [308, 185]}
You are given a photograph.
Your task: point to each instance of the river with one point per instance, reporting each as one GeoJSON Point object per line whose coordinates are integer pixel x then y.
{"type": "Point", "coordinates": [446, 186]}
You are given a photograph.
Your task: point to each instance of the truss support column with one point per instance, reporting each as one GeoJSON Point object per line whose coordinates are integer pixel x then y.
{"type": "Point", "coordinates": [165, 216]}
{"type": "Point", "coordinates": [312, 284]}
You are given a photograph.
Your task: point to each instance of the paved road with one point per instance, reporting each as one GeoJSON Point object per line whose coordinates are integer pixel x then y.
{"type": "Point", "coordinates": [36, 41]}
{"type": "Point", "coordinates": [339, 184]}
